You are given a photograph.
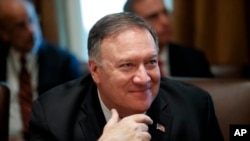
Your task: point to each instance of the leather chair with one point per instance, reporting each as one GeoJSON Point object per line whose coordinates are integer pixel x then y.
{"type": "Point", "coordinates": [231, 99]}
{"type": "Point", "coordinates": [4, 111]}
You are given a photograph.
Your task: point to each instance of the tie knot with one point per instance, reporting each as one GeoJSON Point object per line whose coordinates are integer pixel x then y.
{"type": "Point", "coordinates": [23, 60]}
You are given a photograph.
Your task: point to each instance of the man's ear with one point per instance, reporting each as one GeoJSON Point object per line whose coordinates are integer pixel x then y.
{"type": "Point", "coordinates": [94, 70]}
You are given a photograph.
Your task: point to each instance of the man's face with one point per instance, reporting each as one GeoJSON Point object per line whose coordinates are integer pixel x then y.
{"type": "Point", "coordinates": [128, 76]}
{"type": "Point", "coordinates": [155, 13]}
{"type": "Point", "coordinates": [22, 27]}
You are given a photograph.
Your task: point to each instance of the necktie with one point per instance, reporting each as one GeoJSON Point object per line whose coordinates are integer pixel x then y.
{"type": "Point", "coordinates": [25, 94]}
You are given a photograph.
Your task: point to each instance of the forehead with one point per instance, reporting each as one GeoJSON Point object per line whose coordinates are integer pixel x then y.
{"type": "Point", "coordinates": [131, 41]}
{"type": "Point", "coordinates": [144, 8]}
{"type": "Point", "coordinates": [14, 11]}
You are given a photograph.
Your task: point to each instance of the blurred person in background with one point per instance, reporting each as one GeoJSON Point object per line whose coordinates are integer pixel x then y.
{"type": "Point", "coordinates": [29, 64]}
{"type": "Point", "coordinates": [174, 59]}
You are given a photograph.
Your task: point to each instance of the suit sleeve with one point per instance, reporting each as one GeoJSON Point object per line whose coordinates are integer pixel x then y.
{"type": "Point", "coordinates": [38, 126]}
{"type": "Point", "coordinates": [213, 129]}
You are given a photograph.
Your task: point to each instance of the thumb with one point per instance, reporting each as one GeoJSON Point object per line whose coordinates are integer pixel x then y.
{"type": "Point", "coordinates": [114, 118]}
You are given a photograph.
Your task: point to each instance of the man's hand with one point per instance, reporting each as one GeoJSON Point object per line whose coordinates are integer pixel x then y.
{"type": "Point", "coordinates": [131, 128]}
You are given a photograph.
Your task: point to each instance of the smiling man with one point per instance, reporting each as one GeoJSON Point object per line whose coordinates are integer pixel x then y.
{"type": "Point", "coordinates": [29, 64]}
{"type": "Point", "coordinates": [131, 70]}
{"type": "Point", "coordinates": [124, 98]}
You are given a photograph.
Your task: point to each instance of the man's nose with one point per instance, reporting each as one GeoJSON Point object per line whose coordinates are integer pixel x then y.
{"type": "Point", "coordinates": [31, 28]}
{"type": "Point", "coordinates": [141, 77]}
{"type": "Point", "coordinates": [163, 18]}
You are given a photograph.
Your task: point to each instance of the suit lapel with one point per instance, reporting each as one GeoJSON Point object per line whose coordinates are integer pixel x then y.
{"type": "Point", "coordinates": [175, 60]}
{"type": "Point", "coordinates": [4, 51]}
{"type": "Point", "coordinates": [162, 120]}
{"type": "Point", "coordinates": [90, 128]}
{"type": "Point", "coordinates": [93, 120]}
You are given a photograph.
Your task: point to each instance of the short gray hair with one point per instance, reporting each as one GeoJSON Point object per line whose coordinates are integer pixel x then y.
{"type": "Point", "coordinates": [114, 24]}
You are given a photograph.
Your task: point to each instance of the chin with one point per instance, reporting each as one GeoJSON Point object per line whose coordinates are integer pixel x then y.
{"type": "Point", "coordinates": [139, 110]}
{"type": "Point", "coordinates": [143, 108]}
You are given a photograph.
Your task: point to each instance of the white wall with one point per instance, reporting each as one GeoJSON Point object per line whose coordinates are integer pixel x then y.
{"type": "Point", "coordinates": [71, 32]}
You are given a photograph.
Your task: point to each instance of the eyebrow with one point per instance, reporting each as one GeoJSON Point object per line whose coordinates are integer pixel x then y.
{"type": "Point", "coordinates": [155, 14]}
{"type": "Point", "coordinates": [129, 59]}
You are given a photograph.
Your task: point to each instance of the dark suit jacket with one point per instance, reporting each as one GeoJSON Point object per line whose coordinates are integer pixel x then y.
{"type": "Point", "coordinates": [187, 62]}
{"type": "Point", "coordinates": [72, 112]}
{"type": "Point", "coordinates": [55, 66]}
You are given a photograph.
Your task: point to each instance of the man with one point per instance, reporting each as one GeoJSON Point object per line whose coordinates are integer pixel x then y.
{"type": "Point", "coordinates": [46, 65]}
{"type": "Point", "coordinates": [124, 98]}
{"type": "Point", "coordinates": [176, 60]}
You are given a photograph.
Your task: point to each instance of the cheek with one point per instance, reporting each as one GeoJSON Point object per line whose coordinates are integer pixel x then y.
{"type": "Point", "coordinates": [119, 86]}
{"type": "Point", "coordinates": [116, 87]}
{"type": "Point", "coordinates": [155, 78]}
{"type": "Point", "coordinates": [113, 79]}
{"type": "Point", "coordinates": [19, 40]}
{"type": "Point", "coordinates": [155, 25]}
{"type": "Point", "coordinates": [119, 81]}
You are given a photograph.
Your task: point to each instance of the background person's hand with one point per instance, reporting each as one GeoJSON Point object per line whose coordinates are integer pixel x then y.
{"type": "Point", "coordinates": [131, 128]}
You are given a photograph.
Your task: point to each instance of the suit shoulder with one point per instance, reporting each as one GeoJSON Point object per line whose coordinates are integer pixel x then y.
{"type": "Point", "coordinates": [178, 47]}
{"type": "Point", "coordinates": [54, 50]}
{"type": "Point", "coordinates": [67, 91]}
{"type": "Point", "coordinates": [182, 97]}
{"type": "Point", "coordinates": [179, 88]}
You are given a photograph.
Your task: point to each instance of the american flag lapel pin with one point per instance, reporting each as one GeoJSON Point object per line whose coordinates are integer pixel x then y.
{"type": "Point", "coordinates": [160, 127]}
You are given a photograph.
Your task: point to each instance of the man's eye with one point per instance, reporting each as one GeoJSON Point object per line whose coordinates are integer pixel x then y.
{"type": "Point", "coordinates": [153, 62]}
{"type": "Point", "coordinates": [152, 17]}
{"type": "Point", "coordinates": [127, 65]}
{"type": "Point", "coordinates": [166, 12]}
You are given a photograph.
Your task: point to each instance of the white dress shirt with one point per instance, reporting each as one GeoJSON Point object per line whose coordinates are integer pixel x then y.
{"type": "Point", "coordinates": [164, 57]}
{"type": "Point", "coordinates": [105, 110]}
{"type": "Point", "coordinates": [13, 69]}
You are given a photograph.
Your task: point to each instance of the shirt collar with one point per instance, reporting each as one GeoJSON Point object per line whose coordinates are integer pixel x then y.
{"type": "Point", "coordinates": [105, 110]}
{"type": "Point", "coordinates": [30, 57]}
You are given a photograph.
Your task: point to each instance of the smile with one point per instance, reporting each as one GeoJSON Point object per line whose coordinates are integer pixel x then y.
{"type": "Point", "coordinates": [141, 90]}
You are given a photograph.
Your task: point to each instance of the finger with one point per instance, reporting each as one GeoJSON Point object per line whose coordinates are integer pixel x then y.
{"type": "Point", "coordinates": [145, 136]}
{"type": "Point", "coordinates": [142, 118]}
{"type": "Point", "coordinates": [114, 118]}
{"type": "Point", "coordinates": [143, 127]}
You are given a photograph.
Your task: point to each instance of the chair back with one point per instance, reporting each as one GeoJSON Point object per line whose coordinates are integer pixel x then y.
{"type": "Point", "coordinates": [4, 111]}
{"type": "Point", "coordinates": [231, 99]}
